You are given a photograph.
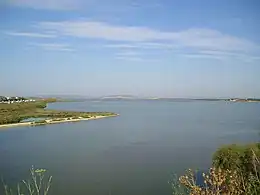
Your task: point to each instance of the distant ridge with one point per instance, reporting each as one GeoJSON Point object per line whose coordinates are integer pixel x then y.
{"type": "Point", "coordinates": [133, 97]}
{"type": "Point", "coordinates": [119, 97]}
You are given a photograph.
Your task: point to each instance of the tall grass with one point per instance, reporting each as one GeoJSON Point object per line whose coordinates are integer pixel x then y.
{"type": "Point", "coordinates": [38, 184]}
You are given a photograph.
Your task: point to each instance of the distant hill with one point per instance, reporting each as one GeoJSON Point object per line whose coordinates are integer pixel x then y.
{"type": "Point", "coordinates": [123, 97]}
{"type": "Point", "coordinates": [62, 97]}
{"type": "Point", "coordinates": [119, 97]}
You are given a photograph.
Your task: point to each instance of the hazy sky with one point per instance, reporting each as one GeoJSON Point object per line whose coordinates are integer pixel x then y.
{"type": "Point", "coordinates": [168, 48]}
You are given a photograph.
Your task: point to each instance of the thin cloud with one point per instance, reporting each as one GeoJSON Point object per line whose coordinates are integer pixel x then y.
{"type": "Point", "coordinates": [30, 34]}
{"type": "Point", "coordinates": [121, 46]}
{"type": "Point", "coordinates": [48, 4]}
{"type": "Point", "coordinates": [134, 56]}
{"type": "Point", "coordinates": [219, 55]}
{"type": "Point", "coordinates": [244, 56]}
{"type": "Point", "coordinates": [128, 53]}
{"type": "Point", "coordinates": [202, 39]}
{"type": "Point", "coordinates": [129, 56]}
{"type": "Point", "coordinates": [99, 30]}
{"type": "Point", "coordinates": [143, 45]}
{"type": "Point", "coordinates": [202, 56]}
{"type": "Point", "coordinates": [53, 46]}
{"type": "Point", "coordinates": [126, 58]}
{"type": "Point", "coordinates": [213, 52]}
{"type": "Point", "coordinates": [184, 52]}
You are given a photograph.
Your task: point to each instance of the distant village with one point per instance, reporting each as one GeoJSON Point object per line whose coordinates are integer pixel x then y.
{"type": "Point", "coordinates": [244, 100]}
{"type": "Point", "coordinates": [10, 100]}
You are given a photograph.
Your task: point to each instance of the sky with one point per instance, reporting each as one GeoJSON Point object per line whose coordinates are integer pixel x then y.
{"type": "Point", "coordinates": [147, 48]}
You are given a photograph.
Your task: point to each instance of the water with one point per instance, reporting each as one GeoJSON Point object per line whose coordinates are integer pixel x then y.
{"type": "Point", "coordinates": [135, 153]}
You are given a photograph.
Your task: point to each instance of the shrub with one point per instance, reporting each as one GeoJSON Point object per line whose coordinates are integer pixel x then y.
{"type": "Point", "coordinates": [50, 100]}
{"type": "Point", "coordinates": [216, 182]}
{"type": "Point", "coordinates": [57, 119]}
{"type": "Point", "coordinates": [237, 157]}
{"type": "Point", "coordinates": [236, 170]}
{"type": "Point", "coordinates": [41, 122]}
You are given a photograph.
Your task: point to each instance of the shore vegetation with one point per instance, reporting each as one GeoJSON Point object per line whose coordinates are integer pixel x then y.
{"type": "Point", "coordinates": [16, 112]}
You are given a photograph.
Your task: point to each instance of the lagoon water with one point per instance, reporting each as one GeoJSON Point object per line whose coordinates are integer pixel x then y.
{"type": "Point", "coordinates": [135, 153]}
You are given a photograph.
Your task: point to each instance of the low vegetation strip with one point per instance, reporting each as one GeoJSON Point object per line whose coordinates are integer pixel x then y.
{"type": "Point", "coordinates": [16, 112]}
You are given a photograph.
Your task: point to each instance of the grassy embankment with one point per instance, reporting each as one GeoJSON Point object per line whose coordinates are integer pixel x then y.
{"type": "Point", "coordinates": [16, 112]}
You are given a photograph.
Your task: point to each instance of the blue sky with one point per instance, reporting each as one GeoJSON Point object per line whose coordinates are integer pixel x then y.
{"type": "Point", "coordinates": [166, 48]}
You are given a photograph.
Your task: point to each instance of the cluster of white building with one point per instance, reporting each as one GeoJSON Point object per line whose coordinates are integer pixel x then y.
{"type": "Point", "coordinates": [11, 100]}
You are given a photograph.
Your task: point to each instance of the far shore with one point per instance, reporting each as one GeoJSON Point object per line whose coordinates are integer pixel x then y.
{"type": "Point", "coordinates": [54, 121]}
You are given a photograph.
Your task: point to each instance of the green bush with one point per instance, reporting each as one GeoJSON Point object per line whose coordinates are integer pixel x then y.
{"type": "Point", "coordinates": [50, 100]}
{"type": "Point", "coordinates": [237, 157]}
{"type": "Point", "coordinates": [244, 160]}
{"type": "Point", "coordinates": [41, 122]}
{"type": "Point", "coordinates": [58, 119]}
{"type": "Point", "coordinates": [235, 171]}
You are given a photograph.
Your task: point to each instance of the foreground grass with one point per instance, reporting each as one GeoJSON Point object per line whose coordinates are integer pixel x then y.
{"type": "Point", "coordinates": [16, 112]}
{"type": "Point", "coordinates": [38, 184]}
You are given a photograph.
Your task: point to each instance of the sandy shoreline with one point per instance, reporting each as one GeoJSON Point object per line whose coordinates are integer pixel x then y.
{"type": "Point", "coordinates": [52, 121]}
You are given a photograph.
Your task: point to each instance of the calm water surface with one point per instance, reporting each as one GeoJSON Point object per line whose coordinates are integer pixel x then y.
{"type": "Point", "coordinates": [135, 153]}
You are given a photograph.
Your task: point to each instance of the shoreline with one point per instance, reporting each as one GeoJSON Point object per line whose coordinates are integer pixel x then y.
{"type": "Point", "coordinates": [54, 121]}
